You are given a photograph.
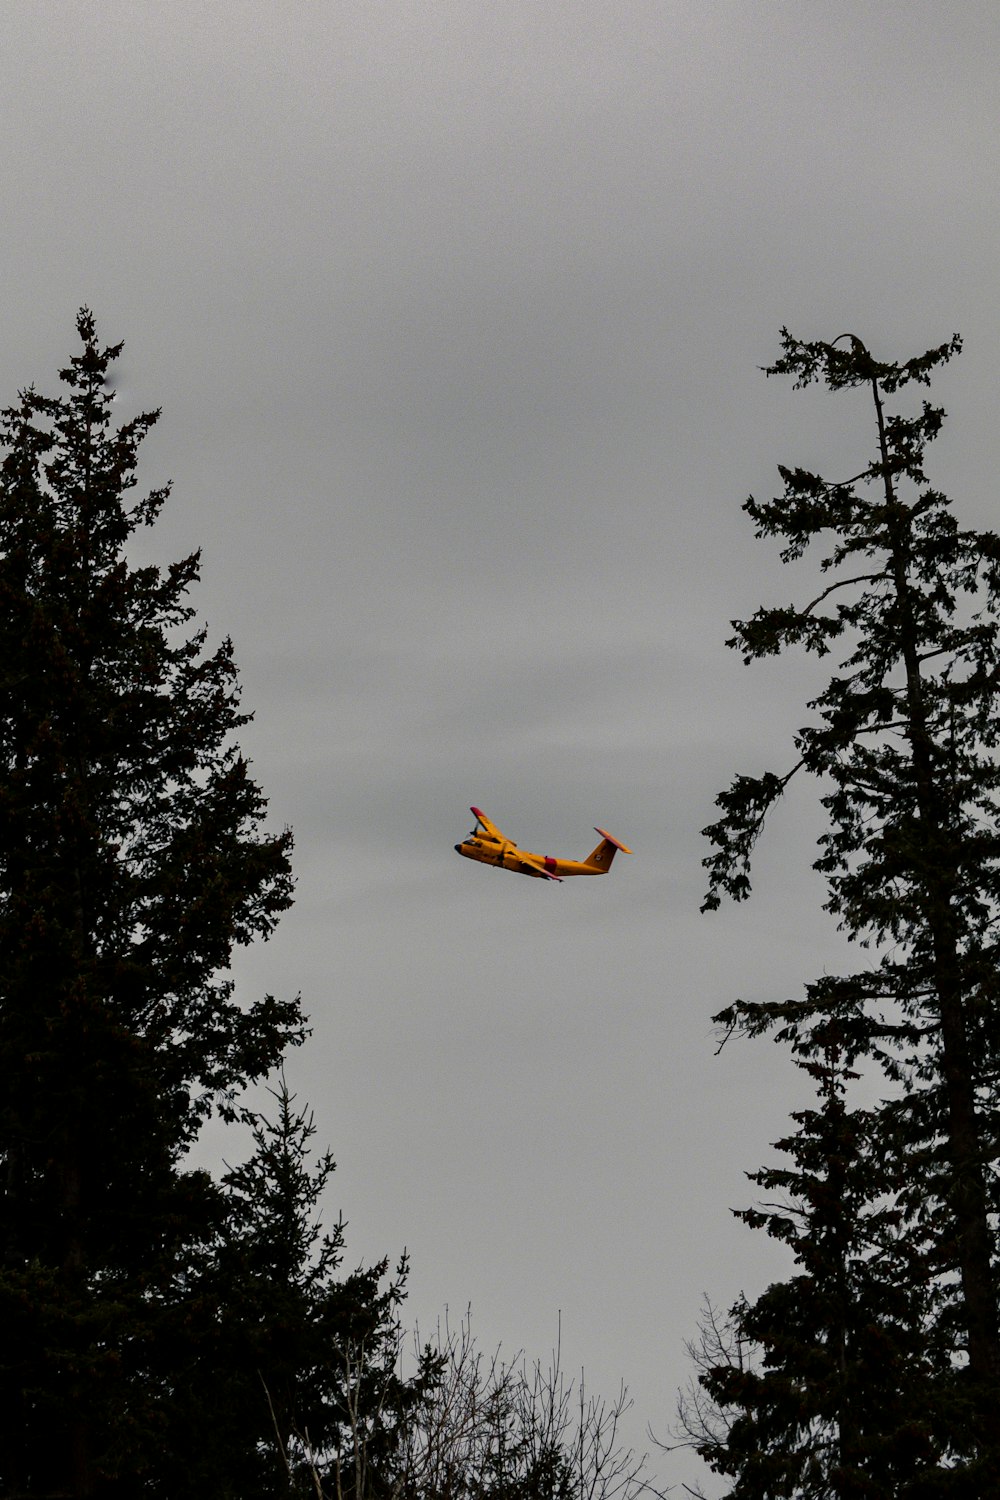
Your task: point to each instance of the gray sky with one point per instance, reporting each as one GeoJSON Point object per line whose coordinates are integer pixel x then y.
{"type": "Point", "coordinates": [455, 312]}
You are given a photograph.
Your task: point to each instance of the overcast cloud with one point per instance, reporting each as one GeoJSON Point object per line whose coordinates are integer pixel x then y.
{"type": "Point", "coordinates": [454, 311]}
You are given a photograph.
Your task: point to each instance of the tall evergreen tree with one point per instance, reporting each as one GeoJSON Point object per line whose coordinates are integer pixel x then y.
{"type": "Point", "coordinates": [843, 1387]}
{"type": "Point", "coordinates": [132, 861]}
{"type": "Point", "coordinates": [289, 1376]}
{"type": "Point", "coordinates": [903, 743]}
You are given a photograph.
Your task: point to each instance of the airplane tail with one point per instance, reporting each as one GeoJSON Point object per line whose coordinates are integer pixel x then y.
{"type": "Point", "coordinates": [605, 851]}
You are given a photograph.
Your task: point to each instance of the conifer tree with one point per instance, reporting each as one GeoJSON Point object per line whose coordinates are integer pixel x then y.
{"type": "Point", "coordinates": [290, 1383]}
{"type": "Point", "coordinates": [842, 1388]}
{"type": "Point", "coordinates": [903, 744]}
{"type": "Point", "coordinates": [132, 861]}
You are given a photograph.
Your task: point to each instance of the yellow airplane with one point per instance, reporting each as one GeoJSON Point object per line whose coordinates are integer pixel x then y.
{"type": "Point", "coordinates": [487, 844]}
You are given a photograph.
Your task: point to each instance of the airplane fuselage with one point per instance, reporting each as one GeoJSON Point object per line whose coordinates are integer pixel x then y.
{"type": "Point", "coordinates": [507, 856]}
{"type": "Point", "coordinates": [487, 845]}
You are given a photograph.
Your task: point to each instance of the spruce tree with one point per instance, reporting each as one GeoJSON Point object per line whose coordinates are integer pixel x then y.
{"type": "Point", "coordinates": [902, 742]}
{"type": "Point", "coordinates": [289, 1378]}
{"type": "Point", "coordinates": [842, 1389]}
{"type": "Point", "coordinates": [133, 859]}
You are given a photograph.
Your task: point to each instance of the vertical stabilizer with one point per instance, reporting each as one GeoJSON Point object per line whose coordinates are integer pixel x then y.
{"type": "Point", "coordinates": [605, 851]}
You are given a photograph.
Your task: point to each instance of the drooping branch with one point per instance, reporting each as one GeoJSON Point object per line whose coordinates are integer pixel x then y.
{"type": "Point", "coordinates": [745, 805]}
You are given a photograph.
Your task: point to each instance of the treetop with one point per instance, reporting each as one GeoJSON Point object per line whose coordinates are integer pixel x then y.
{"type": "Point", "coordinates": [841, 368]}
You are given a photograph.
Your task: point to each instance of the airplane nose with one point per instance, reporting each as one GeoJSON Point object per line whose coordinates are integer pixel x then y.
{"type": "Point", "coordinates": [458, 848]}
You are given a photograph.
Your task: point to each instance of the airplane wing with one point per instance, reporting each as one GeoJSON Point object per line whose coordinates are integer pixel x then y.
{"type": "Point", "coordinates": [490, 829]}
{"type": "Point", "coordinates": [536, 866]}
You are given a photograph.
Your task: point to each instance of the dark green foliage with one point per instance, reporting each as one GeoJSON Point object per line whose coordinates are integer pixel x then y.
{"type": "Point", "coordinates": [132, 860]}
{"type": "Point", "coordinates": [903, 743]}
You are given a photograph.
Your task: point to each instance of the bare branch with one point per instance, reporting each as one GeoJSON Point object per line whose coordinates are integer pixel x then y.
{"type": "Point", "coordinates": [842, 584]}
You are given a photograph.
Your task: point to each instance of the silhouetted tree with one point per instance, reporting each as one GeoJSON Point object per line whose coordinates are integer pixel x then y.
{"type": "Point", "coordinates": [834, 1382]}
{"type": "Point", "coordinates": [486, 1429]}
{"type": "Point", "coordinates": [132, 861]}
{"type": "Point", "coordinates": [289, 1371]}
{"type": "Point", "coordinates": [903, 744]}
{"type": "Point", "coordinates": [165, 1334]}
